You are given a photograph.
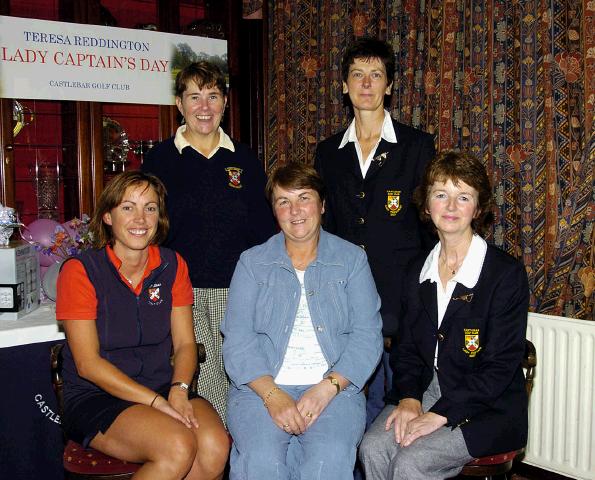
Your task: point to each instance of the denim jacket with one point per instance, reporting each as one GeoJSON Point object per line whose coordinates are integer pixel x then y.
{"type": "Point", "coordinates": [263, 301]}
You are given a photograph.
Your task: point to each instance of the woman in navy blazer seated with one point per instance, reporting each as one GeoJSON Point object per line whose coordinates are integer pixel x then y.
{"type": "Point", "coordinates": [458, 386]}
{"type": "Point", "coordinates": [301, 337]}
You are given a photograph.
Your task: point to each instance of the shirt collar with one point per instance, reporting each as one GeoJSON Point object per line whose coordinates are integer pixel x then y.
{"type": "Point", "coordinates": [326, 254]}
{"type": "Point", "coordinates": [387, 133]}
{"type": "Point", "coordinates": [224, 141]}
{"type": "Point", "coordinates": [470, 269]}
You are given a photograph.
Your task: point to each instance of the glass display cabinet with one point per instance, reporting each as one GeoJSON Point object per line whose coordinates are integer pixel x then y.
{"type": "Point", "coordinates": [55, 156]}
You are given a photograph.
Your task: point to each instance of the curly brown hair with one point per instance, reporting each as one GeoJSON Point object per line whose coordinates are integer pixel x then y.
{"type": "Point", "coordinates": [458, 167]}
{"type": "Point", "coordinates": [112, 196]}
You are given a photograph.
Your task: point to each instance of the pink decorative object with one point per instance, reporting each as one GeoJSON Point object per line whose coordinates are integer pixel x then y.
{"type": "Point", "coordinates": [40, 233]}
{"type": "Point", "coordinates": [47, 260]}
{"type": "Point", "coordinates": [69, 229]}
{"type": "Point", "coordinates": [56, 242]}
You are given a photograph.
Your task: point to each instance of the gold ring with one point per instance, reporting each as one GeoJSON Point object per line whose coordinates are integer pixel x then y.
{"type": "Point", "coordinates": [309, 414]}
{"type": "Point", "coordinates": [286, 425]}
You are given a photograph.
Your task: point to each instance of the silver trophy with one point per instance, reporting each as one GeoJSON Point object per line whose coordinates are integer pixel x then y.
{"type": "Point", "coordinates": [8, 222]}
{"type": "Point", "coordinates": [141, 147]}
{"type": "Point", "coordinates": [115, 146]}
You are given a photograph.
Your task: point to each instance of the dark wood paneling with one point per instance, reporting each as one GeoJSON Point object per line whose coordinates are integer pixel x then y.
{"type": "Point", "coordinates": [168, 14]}
{"type": "Point", "coordinates": [7, 196]}
{"type": "Point", "coordinates": [80, 11]}
{"type": "Point", "coordinates": [97, 160]}
{"type": "Point", "coordinates": [231, 13]}
{"type": "Point", "coordinates": [168, 122]}
{"type": "Point", "coordinates": [83, 156]}
{"type": "Point", "coordinates": [7, 171]}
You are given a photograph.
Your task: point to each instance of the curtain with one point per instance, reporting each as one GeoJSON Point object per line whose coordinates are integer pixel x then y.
{"type": "Point", "coordinates": [513, 81]}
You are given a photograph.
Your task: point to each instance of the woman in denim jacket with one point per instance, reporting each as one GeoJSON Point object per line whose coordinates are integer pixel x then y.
{"type": "Point", "coordinates": [302, 334]}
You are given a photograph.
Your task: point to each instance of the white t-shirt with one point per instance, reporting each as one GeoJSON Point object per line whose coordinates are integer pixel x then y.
{"type": "Point", "coordinates": [304, 362]}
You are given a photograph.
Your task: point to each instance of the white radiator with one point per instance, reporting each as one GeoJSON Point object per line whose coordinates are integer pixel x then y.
{"type": "Point", "coordinates": [562, 405]}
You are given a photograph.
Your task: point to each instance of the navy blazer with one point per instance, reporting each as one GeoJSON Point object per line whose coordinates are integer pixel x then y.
{"type": "Point", "coordinates": [481, 343]}
{"type": "Point", "coordinates": [376, 212]}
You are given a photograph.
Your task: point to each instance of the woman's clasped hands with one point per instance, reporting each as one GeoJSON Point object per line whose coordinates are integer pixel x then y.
{"type": "Point", "coordinates": [295, 417]}
{"type": "Point", "coordinates": [177, 406]}
{"type": "Point", "coordinates": [410, 422]}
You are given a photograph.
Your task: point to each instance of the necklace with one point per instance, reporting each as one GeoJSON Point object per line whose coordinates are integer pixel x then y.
{"type": "Point", "coordinates": [452, 270]}
{"type": "Point", "coordinates": [142, 270]}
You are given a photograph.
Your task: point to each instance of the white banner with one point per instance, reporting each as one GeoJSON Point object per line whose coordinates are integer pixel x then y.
{"type": "Point", "coordinates": [40, 59]}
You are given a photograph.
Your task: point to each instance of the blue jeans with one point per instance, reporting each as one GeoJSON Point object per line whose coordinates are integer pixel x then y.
{"type": "Point", "coordinates": [326, 451]}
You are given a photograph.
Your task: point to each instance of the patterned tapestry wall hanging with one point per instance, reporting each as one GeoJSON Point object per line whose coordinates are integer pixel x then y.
{"type": "Point", "coordinates": [512, 81]}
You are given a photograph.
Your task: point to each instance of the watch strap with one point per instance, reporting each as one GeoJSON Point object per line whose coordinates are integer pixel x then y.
{"type": "Point", "coordinates": [181, 385]}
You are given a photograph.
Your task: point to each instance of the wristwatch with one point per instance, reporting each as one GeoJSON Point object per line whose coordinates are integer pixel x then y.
{"type": "Point", "coordinates": [181, 385]}
{"type": "Point", "coordinates": [335, 382]}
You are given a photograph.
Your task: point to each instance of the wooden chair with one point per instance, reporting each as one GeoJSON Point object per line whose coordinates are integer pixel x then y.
{"type": "Point", "coordinates": [86, 463]}
{"type": "Point", "coordinates": [492, 465]}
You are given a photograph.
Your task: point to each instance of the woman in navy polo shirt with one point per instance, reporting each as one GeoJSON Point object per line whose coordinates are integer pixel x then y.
{"type": "Point", "coordinates": [126, 306]}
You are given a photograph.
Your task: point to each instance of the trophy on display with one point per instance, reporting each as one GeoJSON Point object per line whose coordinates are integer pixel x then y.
{"type": "Point", "coordinates": [115, 146]}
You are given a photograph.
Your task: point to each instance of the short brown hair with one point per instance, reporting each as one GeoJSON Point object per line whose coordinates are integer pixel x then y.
{"type": "Point", "coordinates": [294, 175]}
{"type": "Point", "coordinates": [112, 196]}
{"type": "Point", "coordinates": [458, 166]}
{"type": "Point", "coordinates": [366, 48]}
{"type": "Point", "coordinates": [205, 74]}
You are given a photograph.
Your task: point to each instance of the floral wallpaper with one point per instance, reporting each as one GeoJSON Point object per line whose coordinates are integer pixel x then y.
{"type": "Point", "coordinates": [511, 80]}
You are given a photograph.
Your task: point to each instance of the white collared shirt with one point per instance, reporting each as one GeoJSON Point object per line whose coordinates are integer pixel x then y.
{"type": "Point", "coordinates": [468, 275]}
{"type": "Point", "coordinates": [387, 133]}
{"type": "Point", "coordinates": [224, 141]}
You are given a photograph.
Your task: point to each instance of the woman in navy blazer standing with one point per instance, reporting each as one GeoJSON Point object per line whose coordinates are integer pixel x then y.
{"type": "Point", "coordinates": [458, 386]}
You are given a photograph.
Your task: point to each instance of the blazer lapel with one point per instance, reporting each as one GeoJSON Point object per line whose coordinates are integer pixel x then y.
{"type": "Point", "coordinates": [353, 161]}
{"type": "Point", "coordinates": [385, 153]}
{"type": "Point", "coordinates": [461, 297]}
{"type": "Point", "coordinates": [427, 294]}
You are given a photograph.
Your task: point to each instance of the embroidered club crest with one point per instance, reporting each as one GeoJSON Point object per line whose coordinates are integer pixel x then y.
{"type": "Point", "coordinates": [393, 202]}
{"type": "Point", "coordinates": [472, 346]}
{"type": "Point", "coordinates": [234, 177]}
{"type": "Point", "coordinates": [154, 294]}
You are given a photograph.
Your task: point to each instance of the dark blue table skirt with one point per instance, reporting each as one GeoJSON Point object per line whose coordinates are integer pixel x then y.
{"type": "Point", "coordinates": [30, 433]}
